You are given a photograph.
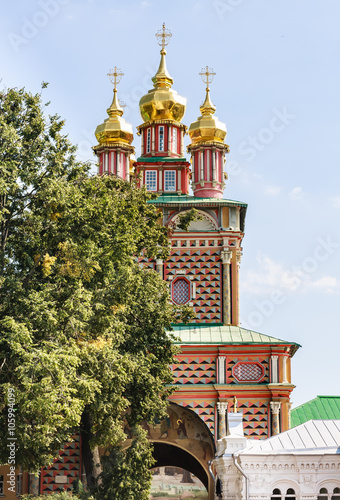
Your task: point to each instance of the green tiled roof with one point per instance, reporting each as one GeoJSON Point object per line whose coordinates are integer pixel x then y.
{"type": "Point", "coordinates": [193, 200]}
{"type": "Point", "coordinates": [320, 408]}
{"type": "Point", "coordinates": [223, 334]}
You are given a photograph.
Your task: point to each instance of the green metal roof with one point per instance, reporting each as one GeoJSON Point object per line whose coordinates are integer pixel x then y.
{"type": "Point", "coordinates": [223, 334]}
{"type": "Point", "coordinates": [182, 199]}
{"type": "Point", "coordinates": [320, 408]}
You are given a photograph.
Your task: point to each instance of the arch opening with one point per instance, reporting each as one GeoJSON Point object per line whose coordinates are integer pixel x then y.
{"type": "Point", "coordinates": [167, 454]}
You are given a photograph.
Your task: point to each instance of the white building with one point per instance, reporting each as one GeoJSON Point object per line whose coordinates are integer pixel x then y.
{"type": "Point", "coordinates": [301, 463]}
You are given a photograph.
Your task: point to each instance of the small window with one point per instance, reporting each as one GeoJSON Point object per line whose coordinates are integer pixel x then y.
{"type": "Point", "coordinates": [151, 180]}
{"type": "Point", "coordinates": [1, 485]}
{"type": "Point", "coordinates": [148, 140]}
{"type": "Point", "coordinates": [181, 291]}
{"type": "Point", "coordinates": [161, 139]}
{"type": "Point", "coordinates": [174, 139]}
{"type": "Point", "coordinates": [170, 180]}
{"type": "Point", "coordinates": [19, 484]}
{"type": "Point", "coordinates": [323, 494]}
{"type": "Point", "coordinates": [336, 494]}
{"type": "Point", "coordinates": [290, 495]}
{"type": "Point", "coordinates": [276, 495]}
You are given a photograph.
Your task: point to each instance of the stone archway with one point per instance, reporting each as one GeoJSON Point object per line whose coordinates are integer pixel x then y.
{"type": "Point", "coordinates": [183, 440]}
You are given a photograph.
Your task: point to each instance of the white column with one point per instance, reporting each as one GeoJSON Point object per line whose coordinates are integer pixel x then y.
{"type": "Point", "coordinates": [106, 161]}
{"type": "Point", "coordinates": [118, 160]}
{"type": "Point", "coordinates": [274, 371]}
{"type": "Point", "coordinates": [275, 408]}
{"type": "Point", "coordinates": [213, 152]}
{"type": "Point", "coordinates": [169, 137]}
{"type": "Point", "coordinates": [284, 370]}
{"type": "Point", "coordinates": [222, 407]}
{"type": "Point", "coordinates": [160, 180]}
{"type": "Point", "coordinates": [127, 163]}
{"type": "Point", "coordinates": [182, 142]}
{"type": "Point", "coordinates": [201, 165]}
{"type": "Point", "coordinates": [142, 142]}
{"type": "Point", "coordinates": [112, 159]}
{"type": "Point", "coordinates": [221, 369]}
{"type": "Point", "coordinates": [153, 139]}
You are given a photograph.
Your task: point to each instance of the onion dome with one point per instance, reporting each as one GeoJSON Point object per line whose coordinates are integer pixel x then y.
{"type": "Point", "coordinates": [162, 102]}
{"type": "Point", "coordinates": [207, 127]}
{"type": "Point", "coordinates": [114, 129]}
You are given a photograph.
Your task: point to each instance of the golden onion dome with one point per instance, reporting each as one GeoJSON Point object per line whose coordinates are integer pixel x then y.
{"type": "Point", "coordinates": [114, 129]}
{"type": "Point", "coordinates": [162, 102]}
{"type": "Point", "coordinates": [207, 127]}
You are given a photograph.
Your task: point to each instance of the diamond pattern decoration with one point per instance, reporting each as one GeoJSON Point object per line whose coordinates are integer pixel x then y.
{"type": "Point", "coordinates": [181, 291]}
{"type": "Point", "coordinates": [249, 372]}
{"type": "Point", "coordinates": [255, 418]}
{"type": "Point", "coordinates": [205, 266]}
{"type": "Point", "coordinates": [68, 464]}
{"type": "Point", "coordinates": [195, 370]}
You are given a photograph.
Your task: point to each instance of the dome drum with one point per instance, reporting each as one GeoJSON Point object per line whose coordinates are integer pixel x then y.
{"type": "Point", "coordinates": [162, 139]}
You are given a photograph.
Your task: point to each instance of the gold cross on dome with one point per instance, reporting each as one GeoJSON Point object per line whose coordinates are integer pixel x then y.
{"type": "Point", "coordinates": [207, 75]}
{"type": "Point", "coordinates": [115, 76]}
{"type": "Point", "coordinates": [163, 36]}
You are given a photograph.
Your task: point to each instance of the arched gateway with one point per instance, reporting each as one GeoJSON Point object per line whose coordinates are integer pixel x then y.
{"type": "Point", "coordinates": [183, 440]}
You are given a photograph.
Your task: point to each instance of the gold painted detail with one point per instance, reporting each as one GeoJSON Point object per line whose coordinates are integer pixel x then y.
{"type": "Point", "coordinates": [207, 128]}
{"type": "Point", "coordinates": [235, 404]}
{"type": "Point", "coordinates": [162, 102]}
{"type": "Point", "coordinates": [115, 129]}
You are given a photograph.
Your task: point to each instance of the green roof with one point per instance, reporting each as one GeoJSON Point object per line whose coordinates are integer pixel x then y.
{"type": "Point", "coordinates": [320, 408]}
{"type": "Point", "coordinates": [185, 199]}
{"type": "Point", "coordinates": [223, 334]}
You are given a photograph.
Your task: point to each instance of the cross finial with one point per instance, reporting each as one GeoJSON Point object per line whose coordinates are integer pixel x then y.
{"type": "Point", "coordinates": [207, 74]}
{"type": "Point", "coordinates": [115, 76]}
{"type": "Point", "coordinates": [163, 36]}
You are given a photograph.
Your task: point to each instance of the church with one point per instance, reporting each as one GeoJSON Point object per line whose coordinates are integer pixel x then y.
{"type": "Point", "coordinates": [233, 385]}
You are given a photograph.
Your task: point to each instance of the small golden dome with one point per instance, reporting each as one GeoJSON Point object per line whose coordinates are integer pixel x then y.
{"type": "Point", "coordinates": [207, 127]}
{"type": "Point", "coordinates": [114, 129]}
{"type": "Point", "coordinates": [162, 102]}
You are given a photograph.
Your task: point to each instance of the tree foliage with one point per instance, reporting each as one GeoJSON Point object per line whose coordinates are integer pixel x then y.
{"type": "Point", "coordinates": [84, 339]}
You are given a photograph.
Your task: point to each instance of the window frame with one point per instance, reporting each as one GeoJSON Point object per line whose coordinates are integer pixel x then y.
{"type": "Point", "coordinates": [180, 278]}
{"type": "Point", "coordinates": [161, 137]}
{"type": "Point", "coordinates": [165, 180]}
{"type": "Point", "coordinates": [154, 172]}
{"type": "Point", "coordinates": [148, 140]}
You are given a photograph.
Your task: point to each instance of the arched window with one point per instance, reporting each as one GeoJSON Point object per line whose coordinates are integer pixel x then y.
{"type": "Point", "coordinates": [336, 494]}
{"type": "Point", "coordinates": [276, 495]}
{"type": "Point", "coordinates": [290, 495]}
{"type": "Point", "coordinates": [323, 494]}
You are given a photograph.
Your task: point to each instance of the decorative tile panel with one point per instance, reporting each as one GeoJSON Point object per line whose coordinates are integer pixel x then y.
{"type": "Point", "coordinates": [195, 370]}
{"type": "Point", "coordinates": [204, 265]}
{"type": "Point", "coordinates": [68, 464]}
{"type": "Point", "coordinates": [255, 418]}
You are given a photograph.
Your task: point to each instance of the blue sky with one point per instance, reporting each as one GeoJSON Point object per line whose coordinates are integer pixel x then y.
{"type": "Point", "coordinates": [277, 89]}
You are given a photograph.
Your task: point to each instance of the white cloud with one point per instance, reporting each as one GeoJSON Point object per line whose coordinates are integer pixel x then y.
{"type": "Point", "coordinates": [336, 201]}
{"type": "Point", "coordinates": [271, 276]}
{"type": "Point", "coordinates": [296, 194]}
{"type": "Point", "coordinates": [326, 284]}
{"type": "Point", "coordinates": [272, 190]}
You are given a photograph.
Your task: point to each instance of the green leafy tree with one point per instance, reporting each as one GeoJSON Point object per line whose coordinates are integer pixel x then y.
{"type": "Point", "coordinates": [84, 340]}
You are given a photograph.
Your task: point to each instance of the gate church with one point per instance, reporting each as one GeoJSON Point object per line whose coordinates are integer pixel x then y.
{"type": "Point", "coordinates": [218, 360]}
